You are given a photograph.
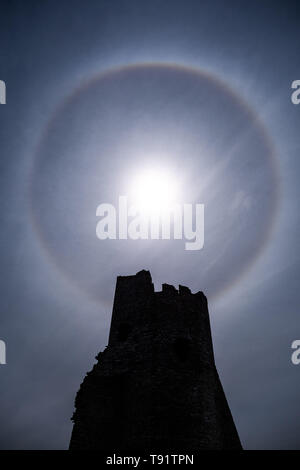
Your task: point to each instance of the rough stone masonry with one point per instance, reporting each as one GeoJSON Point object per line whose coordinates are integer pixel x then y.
{"type": "Point", "coordinates": [155, 387]}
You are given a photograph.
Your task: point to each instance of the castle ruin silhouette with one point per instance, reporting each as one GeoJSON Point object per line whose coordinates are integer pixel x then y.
{"type": "Point", "coordinates": [155, 387]}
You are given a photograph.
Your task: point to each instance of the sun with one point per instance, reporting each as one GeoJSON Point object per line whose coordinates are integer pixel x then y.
{"type": "Point", "coordinates": [154, 190]}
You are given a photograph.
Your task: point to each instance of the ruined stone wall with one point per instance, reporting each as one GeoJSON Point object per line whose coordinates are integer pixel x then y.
{"type": "Point", "coordinates": [155, 387]}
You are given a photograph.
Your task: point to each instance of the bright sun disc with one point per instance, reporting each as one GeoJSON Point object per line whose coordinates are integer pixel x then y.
{"type": "Point", "coordinates": [154, 190]}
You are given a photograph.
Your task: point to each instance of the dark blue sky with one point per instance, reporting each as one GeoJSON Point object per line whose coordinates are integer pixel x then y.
{"type": "Point", "coordinates": [57, 280]}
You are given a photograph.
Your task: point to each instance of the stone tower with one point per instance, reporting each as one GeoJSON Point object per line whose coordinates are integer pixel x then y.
{"type": "Point", "coordinates": [155, 387]}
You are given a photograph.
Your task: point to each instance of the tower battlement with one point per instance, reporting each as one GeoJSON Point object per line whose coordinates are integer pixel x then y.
{"type": "Point", "coordinates": [138, 311]}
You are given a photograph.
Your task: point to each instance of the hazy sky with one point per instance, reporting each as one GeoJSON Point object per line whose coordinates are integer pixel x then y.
{"type": "Point", "coordinates": [96, 92]}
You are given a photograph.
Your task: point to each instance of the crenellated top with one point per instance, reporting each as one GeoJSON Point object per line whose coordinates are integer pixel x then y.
{"type": "Point", "coordinates": [141, 282]}
{"type": "Point", "coordinates": [137, 307]}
